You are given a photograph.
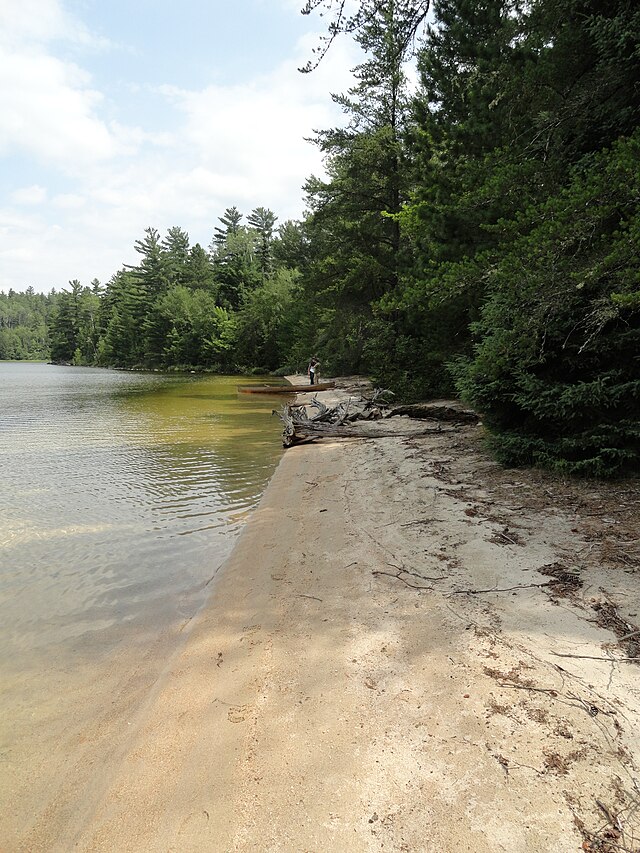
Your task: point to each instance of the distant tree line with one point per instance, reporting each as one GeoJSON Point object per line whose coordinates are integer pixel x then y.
{"type": "Point", "coordinates": [477, 234]}
{"type": "Point", "coordinates": [232, 307]}
{"type": "Point", "coordinates": [24, 324]}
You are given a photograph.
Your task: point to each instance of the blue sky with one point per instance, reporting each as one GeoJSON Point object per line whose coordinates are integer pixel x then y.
{"type": "Point", "coordinates": [121, 114]}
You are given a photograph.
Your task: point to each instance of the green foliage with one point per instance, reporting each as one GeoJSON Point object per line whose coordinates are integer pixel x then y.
{"type": "Point", "coordinates": [555, 369]}
{"type": "Point", "coordinates": [24, 332]}
{"type": "Point", "coordinates": [524, 226]}
{"type": "Point", "coordinates": [355, 247]}
{"type": "Point", "coordinates": [200, 331]}
{"type": "Point", "coordinates": [265, 323]}
{"type": "Point", "coordinates": [235, 267]}
{"type": "Point", "coordinates": [263, 221]}
{"type": "Point", "coordinates": [74, 330]}
{"type": "Point", "coordinates": [181, 308]}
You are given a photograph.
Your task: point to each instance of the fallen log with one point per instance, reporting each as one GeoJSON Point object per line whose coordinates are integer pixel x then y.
{"type": "Point", "coordinates": [334, 421]}
{"type": "Point", "coordinates": [437, 410]}
{"type": "Point", "coordinates": [299, 427]}
{"type": "Point", "coordinates": [300, 435]}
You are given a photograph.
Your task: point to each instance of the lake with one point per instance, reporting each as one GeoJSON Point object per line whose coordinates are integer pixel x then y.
{"type": "Point", "coordinates": [121, 494]}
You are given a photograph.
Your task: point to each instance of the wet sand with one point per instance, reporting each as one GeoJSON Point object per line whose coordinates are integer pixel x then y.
{"type": "Point", "coordinates": [378, 669]}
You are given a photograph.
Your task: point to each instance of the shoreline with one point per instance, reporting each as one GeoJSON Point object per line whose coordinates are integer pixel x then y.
{"type": "Point", "coordinates": [378, 667]}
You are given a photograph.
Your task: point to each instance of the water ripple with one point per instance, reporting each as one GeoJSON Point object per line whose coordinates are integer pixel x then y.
{"type": "Point", "coordinates": [119, 493]}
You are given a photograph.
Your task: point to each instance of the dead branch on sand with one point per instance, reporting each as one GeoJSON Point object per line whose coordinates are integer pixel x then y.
{"type": "Point", "coordinates": [331, 421]}
{"type": "Point", "coordinates": [397, 575]}
{"type": "Point", "coordinates": [339, 421]}
{"type": "Point", "coordinates": [499, 589]}
{"type": "Point", "coordinates": [595, 657]}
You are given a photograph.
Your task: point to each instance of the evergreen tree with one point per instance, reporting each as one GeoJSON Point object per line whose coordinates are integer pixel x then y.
{"type": "Point", "coordinates": [121, 318]}
{"type": "Point", "coordinates": [556, 370]}
{"type": "Point", "coordinates": [235, 267]}
{"type": "Point", "coordinates": [74, 333]}
{"type": "Point", "coordinates": [291, 246]}
{"type": "Point", "coordinates": [64, 333]}
{"type": "Point", "coordinates": [151, 282]}
{"type": "Point", "coordinates": [231, 225]}
{"type": "Point", "coordinates": [263, 221]}
{"type": "Point", "coordinates": [199, 273]}
{"type": "Point", "coordinates": [353, 20]}
{"type": "Point", "coordinates": [519, 233]}
{"type": "Point", "coordinates": [354, 235]}
{"type": "Point", "coordinates": [175, 248]}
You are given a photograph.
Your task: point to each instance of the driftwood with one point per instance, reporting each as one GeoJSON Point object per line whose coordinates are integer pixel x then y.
{"type": "Point", "coordinates": [437, 410]}
{"type": "Point", "coordinates": [339, 421]}
{"type": "Point", "coordinates": [331, 421]}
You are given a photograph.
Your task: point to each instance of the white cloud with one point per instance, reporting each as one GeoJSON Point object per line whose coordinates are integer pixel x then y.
{"type": "Point", "coordinates": [42, 21]}
{"type": "Point", "coordinates": [240, 145]}
{"type": "Point", "coordinates": [48, 110]}
{"type": "Point", "coordinates": [251, 138]}
{"type": "Point", "coordinates": [34, 194]}
{"type": "Point", "coordinates": [49, 106]}
{"type": "Point", "coordinates": [68, 201]}
{"type": "Point", "coordinates": [19, 254]}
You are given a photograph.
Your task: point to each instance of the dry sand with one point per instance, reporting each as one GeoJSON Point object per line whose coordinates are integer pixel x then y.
{"type": "Point", "coordinates": [352, 684]}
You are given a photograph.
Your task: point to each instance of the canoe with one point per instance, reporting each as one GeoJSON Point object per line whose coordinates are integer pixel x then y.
{"type": "Point", "coordinates": [285, 389]}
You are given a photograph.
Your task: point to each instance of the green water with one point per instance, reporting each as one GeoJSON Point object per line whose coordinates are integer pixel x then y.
{"type": "Point", "coordinates": [121, 494]}
{"type": "Point", "coordinates": [118, 493]}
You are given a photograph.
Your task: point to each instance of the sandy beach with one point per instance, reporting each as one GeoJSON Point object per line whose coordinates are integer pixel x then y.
{"type": "Point", "coordinates": [410, 649]}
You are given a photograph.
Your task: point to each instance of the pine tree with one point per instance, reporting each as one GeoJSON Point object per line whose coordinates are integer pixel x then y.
{"type": "Point", "coordinates": [231, 221]}
{"type": "Point", "coordinates": [353, 20]}
{"type": "Point", "coordinates": [151, 280]}
{"type": "Point", "coordinates": [233, 255]}
{"type": "Point", "coordinates": [199, 273]}
{"type": "Point", "coordinates": [355, 241]}
{"type": "Point", "coordinates": [544, 230]}
{"type": "Point", "coordinates": [74, 333]}
{"type": "Point", "coordinates": [263, 220]}
{"type": "Point", "coordinates": [175, 248]}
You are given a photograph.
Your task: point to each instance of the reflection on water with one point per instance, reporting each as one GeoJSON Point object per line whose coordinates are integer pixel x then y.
{"type": "Point", "coordinates": [119, 493]}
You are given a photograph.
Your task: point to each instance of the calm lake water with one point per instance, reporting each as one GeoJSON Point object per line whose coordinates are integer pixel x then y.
{"type": "Point", "coordinates": [118, 491]}
{"type": "Point", "coordinates": [120, 496]}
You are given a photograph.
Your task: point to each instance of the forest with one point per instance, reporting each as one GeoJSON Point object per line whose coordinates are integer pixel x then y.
{"type": "Point", "coordinates": [476, 234]}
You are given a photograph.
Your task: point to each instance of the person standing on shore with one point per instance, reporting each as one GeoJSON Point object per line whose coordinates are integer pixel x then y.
{"type": "Point", "coordinates": [312, 370]}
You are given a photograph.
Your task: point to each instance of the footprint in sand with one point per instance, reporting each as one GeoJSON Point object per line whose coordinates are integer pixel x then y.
{"type": "Point", "coordinates": [238, 713]}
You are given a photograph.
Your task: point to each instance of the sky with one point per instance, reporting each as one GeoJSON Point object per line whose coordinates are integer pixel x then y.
{"type": "Point", "coordinates": [119, 115]}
